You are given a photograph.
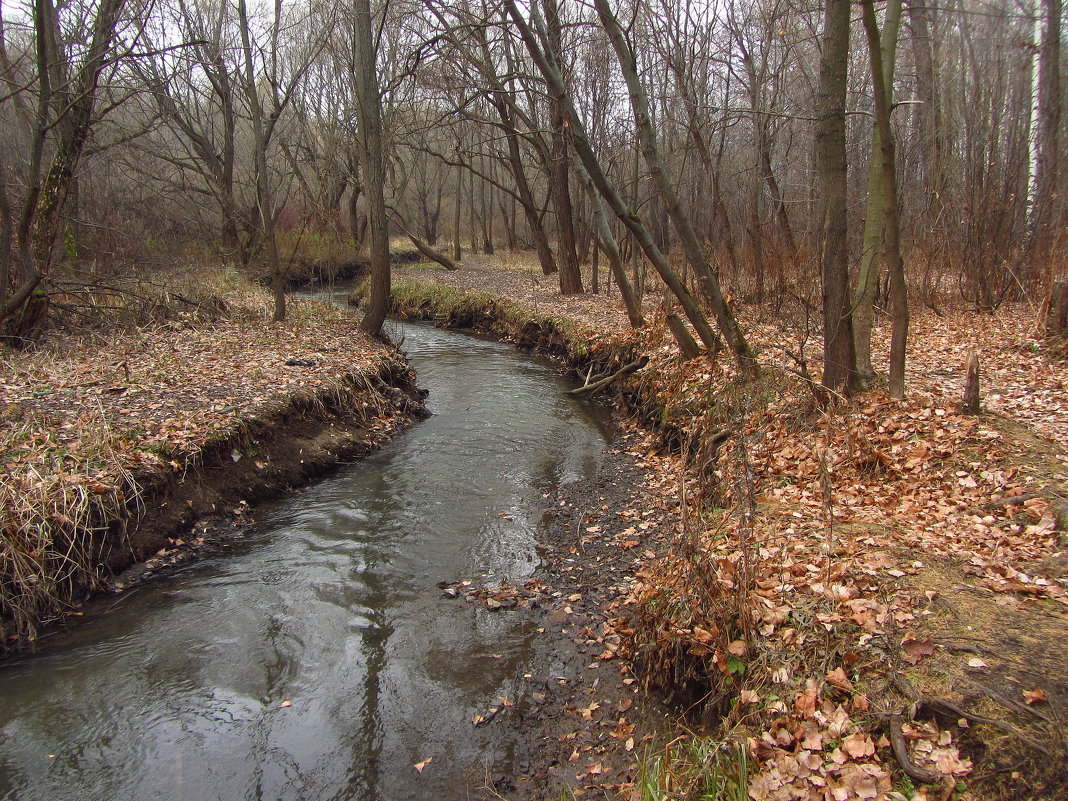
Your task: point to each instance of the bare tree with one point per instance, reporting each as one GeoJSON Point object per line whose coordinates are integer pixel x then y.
{"type": "Point", "coordinates": [605, 186]}
{"type": "Point", "coordinates": [66, 112]}
{"type": "Point", "coordinates": [369, 111]}
{"type": "Point", "coordinates": [710, 288]}
{"type": "Point", "coordinates": [886, 185]}
{"type": "Point", "coordinates": [839, 362]}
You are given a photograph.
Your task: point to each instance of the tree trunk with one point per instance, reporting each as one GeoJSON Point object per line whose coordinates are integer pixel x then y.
{"type": "Point", "coordinates": [608, 242]}
{"type": "Point", "coordinates": [874, 223]}
{"type": "Point", "coordinates": [682, 336]}
{"type": "Point", "coordinates": [970, 404]}
{"type": "Point", "coordinates": [1049, 127]}
{"type": "Point", "coordinates": [929, 111]}
{"type": "Point", "coordinates": [595, 279]}
{"type": "Point", "coordinates": [369, 114]}
{"type": "Point", "coordinates": [559, 168]}
{"type": "Point", "coordinates": [1057, 314]}
{"type": "Point", "coordinates": [891, 217]}
{"type": "Point", "coordinates": [264, 206]}
{"type": "Point", "coordinates": [707, 280]}
{"type": "Point", "coordinates": [605, 187]}
{"type": "Point", "coordinates": [839, 362]}
{"type": "Point", "coordinates": [39, 224]}
{"type": "Point", "coordinates": [526, 196]}
{"type": "Point", "coordinates": [457, 245]}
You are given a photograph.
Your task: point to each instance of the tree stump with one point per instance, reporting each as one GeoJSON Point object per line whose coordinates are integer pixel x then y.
{"type": "Point", "coordinates": [1057, 314]}
{"type": "Point", "coordinates": [971, 384]}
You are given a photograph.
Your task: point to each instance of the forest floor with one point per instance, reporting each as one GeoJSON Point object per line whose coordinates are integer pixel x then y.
{"type": "Point", "coordinates": [113, 441]}
{"type": "Point", "coordinates": [854, 593]}
{"type": "Point", "coordinates": [813, 596]}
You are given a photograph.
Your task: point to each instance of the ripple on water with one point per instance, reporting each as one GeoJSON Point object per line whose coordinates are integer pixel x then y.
{"type": "Point", "coordinates": [330, 606]}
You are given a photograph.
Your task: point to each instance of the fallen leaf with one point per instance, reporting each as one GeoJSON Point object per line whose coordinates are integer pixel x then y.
{"type": "Point", "coordinates": [915, 650]}
{"type": "Point", "coordinates": [839, 679]}
{"type": "Point", "coordinates": [748, 697]}
{"type": "Point", "coordinates": [420, 765]}
{"type": "Point", "coordinates": [858, 745]}
{"type": "Point", "coordinates": [1034, 696]}
{"type": "Point", "coordinates": [976, 662]}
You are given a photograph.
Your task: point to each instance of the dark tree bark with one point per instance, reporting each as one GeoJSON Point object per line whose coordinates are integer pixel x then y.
{"type": "Point", "coordinates": [839, 360]}
{"type": "Point", "coordinates": [560, 168]}
{"type": "Point", "coordinates": [369, 114]}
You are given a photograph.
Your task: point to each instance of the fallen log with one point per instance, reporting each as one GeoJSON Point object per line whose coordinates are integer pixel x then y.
{"type": "Point", "coordinates": [596, 386]}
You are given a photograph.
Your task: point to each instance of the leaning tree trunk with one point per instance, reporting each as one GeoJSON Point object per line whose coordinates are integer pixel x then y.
{"type": "Point", "coordinates": [526, 196]}
{"type": "Point", "coordinates": [611, 250]}
{"type": "Point", "coordinates": [607, 189]}
{"type": "Point", "coordinates": [710, 288]}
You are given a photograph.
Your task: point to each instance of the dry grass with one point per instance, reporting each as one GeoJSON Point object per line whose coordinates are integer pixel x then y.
{"type": "Point", "coordinates": [87, 416]}
{"type": "Point", "coordinates": [804, 533]}
{"type": "Point", "coordinates": [55, 511]}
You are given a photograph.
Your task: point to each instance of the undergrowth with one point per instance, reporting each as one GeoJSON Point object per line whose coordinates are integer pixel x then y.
{"type": "Point", "coordinates": [694, 768]}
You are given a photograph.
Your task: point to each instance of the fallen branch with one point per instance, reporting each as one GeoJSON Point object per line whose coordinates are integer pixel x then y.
{"type": "Point", "coordinates": [901, 753]}
{"type": "Point", "coordinates": [432, 254]}
{"type": "Point", "coordinates": [1004, 700]}
{"type": "Point", "coordinates": [604, 382]}
{"type": "Point", "coordinates": [953, 710]}
{"type": "Point", "coordinates": [1012, 500]}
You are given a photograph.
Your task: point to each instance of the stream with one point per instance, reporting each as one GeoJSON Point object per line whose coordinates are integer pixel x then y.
{"type": "Point", "coordinates": [317, 658]}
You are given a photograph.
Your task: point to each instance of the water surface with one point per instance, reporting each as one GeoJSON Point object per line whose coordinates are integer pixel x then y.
{"type": "Point", "coordinates": [318, 660]}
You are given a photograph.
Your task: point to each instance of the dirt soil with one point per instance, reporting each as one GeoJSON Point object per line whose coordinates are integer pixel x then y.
{"type": "Point", "coordinates": [911, 560]}
{"type": "Point", "coordinates": [586, 724]}
{"type": "Point", "coordinates": [109, 445]}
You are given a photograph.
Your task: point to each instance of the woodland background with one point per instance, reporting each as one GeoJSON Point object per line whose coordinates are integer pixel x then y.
{"type": "Point", "coordinates": [743, 139]}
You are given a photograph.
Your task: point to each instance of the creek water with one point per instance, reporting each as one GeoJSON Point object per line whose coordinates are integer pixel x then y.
{"type": "Point", "coordinates": [317, 658]}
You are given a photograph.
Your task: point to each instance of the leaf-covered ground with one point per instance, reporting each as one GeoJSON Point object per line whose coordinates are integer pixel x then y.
{"type": "Point", "coordinates": [82, 420]}
{"type": "Point", "coordinates": [831, 569]}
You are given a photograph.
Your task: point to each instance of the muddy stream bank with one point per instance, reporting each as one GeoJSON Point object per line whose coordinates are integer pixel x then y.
{"type": "Point", "coordinates": [317, 658]}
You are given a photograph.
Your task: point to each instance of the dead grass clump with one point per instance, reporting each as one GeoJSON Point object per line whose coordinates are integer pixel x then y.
{"type": "Point", "coordinates": [60, 493]}
{"type": "Point", "coordinates": [143, 295]}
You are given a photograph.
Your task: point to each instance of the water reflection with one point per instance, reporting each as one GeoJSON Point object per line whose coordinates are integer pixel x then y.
{"type": "Point", "coordinates": [318, 661]}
